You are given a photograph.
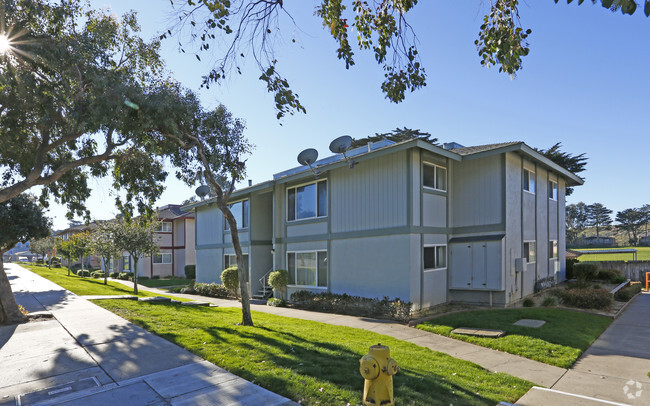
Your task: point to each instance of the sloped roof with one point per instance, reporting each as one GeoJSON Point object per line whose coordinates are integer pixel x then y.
{"type": "Point", "coordinates": [173, 211]}
{"type": "Point", "coordinates": [482, 148]}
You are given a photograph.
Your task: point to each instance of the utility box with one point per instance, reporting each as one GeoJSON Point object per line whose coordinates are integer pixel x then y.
{"type": "Point", "coordinates": [520, 264]}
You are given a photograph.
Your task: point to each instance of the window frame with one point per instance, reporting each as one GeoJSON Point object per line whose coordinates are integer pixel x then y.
{"type": "Point", "coordinates": [553, 250]}
{"type": "Point", "coordinates": [162, 227]}
{"type": "Point", "coordinates": [162, 256]}
{"type": "Point", "coordinates": [435, 257]}
{"type": "Point", "coordinates": [552, 189]}
{"type": "Point", "coordinates": [295, 276]}
{"type": "Point", "coordinates": [245, 214]}
{"type": "Point", "coordinates": [527, 252]}
{"type": "Point", "coordinates": [527, 185]}
{"type": "Point", "coordinates": [317, 200]}
{"type": "Point", "coordinates": [436, 168]}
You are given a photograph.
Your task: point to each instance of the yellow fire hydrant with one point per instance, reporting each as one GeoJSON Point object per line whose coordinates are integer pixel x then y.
{"type": "Point", "coordinates": [378, 368]}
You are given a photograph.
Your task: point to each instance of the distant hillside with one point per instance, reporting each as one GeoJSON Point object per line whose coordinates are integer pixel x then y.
{"type": "Point", "coordinates": [620, 236]}
{"type": "Point", "coordinates": [19, 247]}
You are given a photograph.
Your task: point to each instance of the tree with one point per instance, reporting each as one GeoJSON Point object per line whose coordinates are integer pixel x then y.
{"type": "Point", "coordinates": [576, 219]}
{"type": "Point", "coordinates": [645, 209]}
{"type": "Point", "coordinates": [572, 163]}
{"type": "Point", "coordinates": [630, 220]}
{"type": "Point", "coordinates": [72, 93]}
{"type": "Point", "coordinates": [80, 246]}
{"type": "Point", "coordinates": [135, 237]}
{"type": "Point", "coordinates": [598, 216]}
{"type": "Point", "coordinates": [65, 247]}
{"type": "Point", "coordinates": [249, 27]}
{"type": "Point", "coordinates": [21, 219]}
{"type": "Point", "coordinates": [397, 135]}
{"type": "Point", "coordinates": [102, 243]}
{"type": "Point", "coordinates": [44, 246]}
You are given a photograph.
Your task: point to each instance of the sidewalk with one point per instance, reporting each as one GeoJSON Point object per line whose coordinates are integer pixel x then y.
{"type": "Point", "coordinates": [539, 373]}
{"type": "Point", "coordinates": [614, 370]}
{"type": "Point", "coordinates": [88, 356]}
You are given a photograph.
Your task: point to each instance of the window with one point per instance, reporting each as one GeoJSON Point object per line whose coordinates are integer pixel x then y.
{"type": "Point", "coordinates": [126, 263]}
{"type": "Point", "coordinates": [435, 257]}
{"type": "Point", "coordinates": [529, 251]}
{"type": "Point", "coordinates": [434, 176]}
{"type": "Point", "coordinates": [307, 201]}
{"type": "Point", "coordinates": [552, 190]}
{"type": "Point", "coordinates": [162, 258]}
{"type": "Point", "coordinates": [552, 249]}
{"type": "Point", "coordinates": [307, 268]}
{"type": "Point", "coordinates": [529, 181]}
{"type": "Point", "coordinates": [240, 211]}
{"type": "Point", "coordinates": [164, 227]}
{"type": "Point", "coordinates": [231, 260]}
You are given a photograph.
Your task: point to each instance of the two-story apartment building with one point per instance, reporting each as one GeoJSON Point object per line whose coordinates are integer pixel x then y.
{"type": "Point", "coordinates": [411, 220]}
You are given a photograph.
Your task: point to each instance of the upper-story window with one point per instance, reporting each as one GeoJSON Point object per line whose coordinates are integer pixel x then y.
{"type": "Point", "coordinates": [529, 181]}
{"type": "Point", "coordinates": [434, 176]}
{"type": "Point", "coordinates": [164, 227]}
{"type": "Point", "coordinates": [552, 190]}
{"type": "Point", "coordinates": [240, 211]}
{"type": "Point", "coordinates": [307, 201]}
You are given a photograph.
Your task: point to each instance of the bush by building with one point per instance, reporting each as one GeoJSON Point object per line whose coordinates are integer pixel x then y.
{"type": "Point", "coordinates": [353, 305]}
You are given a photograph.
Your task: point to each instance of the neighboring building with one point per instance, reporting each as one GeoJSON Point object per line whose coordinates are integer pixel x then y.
{"type": "Point", "coordinates": [176, 240]}
{"type": "Point", "coordinates": [600, 241]}
{"type": "Point", "coordinates": [410, 220]}
{"type": "Point", "coordinates": [89, 261]}
{"type": "Point", "coordinates": [644, 241]}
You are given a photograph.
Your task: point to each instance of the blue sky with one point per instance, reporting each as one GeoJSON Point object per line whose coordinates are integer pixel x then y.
{"type": "Point", "coordinates": [584, 84]}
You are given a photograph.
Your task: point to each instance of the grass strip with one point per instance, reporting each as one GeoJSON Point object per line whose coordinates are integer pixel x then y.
{"type": "Point", "coordinates": [564, 337]}
{"type": "Point", "coordinates": [315, 363]}
{"type": "Point", "coordinates": [87, 286]}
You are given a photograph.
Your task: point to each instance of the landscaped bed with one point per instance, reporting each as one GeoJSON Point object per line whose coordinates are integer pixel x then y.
{"type": "Point", "coordinates": [164, 282]}
{"type": "Point", "coordinates": [85, 286]}
{"type": "Point", "coordinates": [316, 363]}
{"type": "Point", "coordinates": [559, 342]}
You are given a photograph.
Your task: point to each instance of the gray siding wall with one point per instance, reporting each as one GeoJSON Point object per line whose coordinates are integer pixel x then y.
{"type": "Point", "coordinates": [209, 265]}
{"type": "Point", "coordinates": [209, 225]}
{"type": "Point", "coordinates": [477, 192]}
{"type": "Point", "coordinates": [514, 220]}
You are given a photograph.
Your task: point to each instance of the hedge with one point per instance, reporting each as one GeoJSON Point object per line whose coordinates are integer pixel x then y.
{"type": "Point", "coordinates": [190, 271]}
{"type": "Point", "coordinates": [585, 298]}
{"type": "Point", "coordinates": [353, 305]}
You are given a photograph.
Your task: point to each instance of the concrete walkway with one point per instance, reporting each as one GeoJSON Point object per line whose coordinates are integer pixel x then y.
{"type": "Point", "coordinates": [614, 370]}
{"type": "Point", "coordinates": [539, 373]}
{"type": "Point", "coordinates": [86, 355]}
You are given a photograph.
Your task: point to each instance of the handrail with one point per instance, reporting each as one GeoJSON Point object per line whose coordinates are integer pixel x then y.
{"type": "Point", "coordinates": [264, 279]}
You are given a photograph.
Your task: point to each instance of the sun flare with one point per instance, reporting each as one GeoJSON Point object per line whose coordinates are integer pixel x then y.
{"type": "Point", "coordinates": [5, 44]}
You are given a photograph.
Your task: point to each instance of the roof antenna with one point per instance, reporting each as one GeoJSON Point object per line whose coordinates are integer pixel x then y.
{"type": "Point", "coordinates": [307, 158]}
{"type": "Point", "coordinates": [340, 146]}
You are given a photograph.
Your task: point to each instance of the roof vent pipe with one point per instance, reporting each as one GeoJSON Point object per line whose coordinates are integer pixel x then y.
{"type": "Point", "coordinates": [250, 182]}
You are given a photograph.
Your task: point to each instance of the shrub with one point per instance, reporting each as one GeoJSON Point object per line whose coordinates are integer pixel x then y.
{"type": "Point", "coordinates": [97, 274]}
{"type": "Point", "coordinates": [627, 293]}
{"type": "Point", "coordinates": [114, 275]}
{"type": "Point", "coordinates": [211, 290]}
{"type": "Point", "coordinates": [178, 289]}
{"type": "Point", "coordinates": [276, 302]}
{"type": "Point", "coordinates": [279, 279]}
{"type": "Point", "coordinates": [585, 271]}
{"type": "Point", "coordinates": [230, 279]}
{"type": "Point", "coordinates": [549, 302]}
{"type": "Point", "coordinates": [190, 271]}
{"type": "Point", "coordinates": [56, 262]}
{"type": "Point", "coordinates": [570, 262]}
{"type": "Point", "coordinates": [354, 305]}
{"type": "Point", "coordinates": [528, 302]}
{"type": "Point", "coordinates": [609, 274]}
{"type": "Point", "coordinates": [125, 276]}
{"type": "Point", "coordinates": [143, 278]}
{"type": "Point", "coordinates": [619, 279]}
{"type": "Point", "coordinates": [83, 273]}
{"type": "Point", "coordinates": [40, 262]}
{"type": "Point", "coordinates": [155, 277]}
{"type": "Point", "coordinates": [585, 298]}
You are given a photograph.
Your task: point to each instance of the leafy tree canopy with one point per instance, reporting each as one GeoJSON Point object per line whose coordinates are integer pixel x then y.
{"type": "Point", "coordinates": [21, 219]}
{"type": "Point", "coordinates": [570, 162]}
{"type": "Point", "coordinates": [397, 135]}
{"type": "Point", "coordinates": [250, 28]}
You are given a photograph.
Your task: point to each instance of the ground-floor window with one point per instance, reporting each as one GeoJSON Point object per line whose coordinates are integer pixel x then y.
{"type": "Point", "coordinates": [530, 250]}
{"type": "Point", "coordinates": [126, 263]}
{"type": "Point", "coordinates": [552, 249]}
{"type": "Point", "coordinates": [307, 268]}
{"type": "Point", "coordinates": [435, 257]}
{"type": "Point", "coordinates": [231, 260]}
{"type": "Point", "coordinates": [162, 258]}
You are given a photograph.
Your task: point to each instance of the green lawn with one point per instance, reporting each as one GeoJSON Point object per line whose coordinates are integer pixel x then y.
{"type": "Point", "coordinates": [315, 363]}
{"type": "Point", "coordinates": [643, 254]}
{"type": "Point", "coordinates": [559, 342]}
{"type": "Point", "coordinates": [156, 283]}
{"type": "Point", "coordinates": [85, 286]}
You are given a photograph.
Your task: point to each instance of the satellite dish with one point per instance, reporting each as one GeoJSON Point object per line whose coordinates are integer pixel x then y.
{"type": "Point", "coordinates": [341, 144]}
{"type": "Point", "coordinates": [307, 158]}
{"type": "Point", "coordinates": [202, 191]}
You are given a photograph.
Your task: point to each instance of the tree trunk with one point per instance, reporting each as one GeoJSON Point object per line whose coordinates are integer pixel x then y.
{"type": "Point", "coordinates": [135, 274]}
{"type": "Point", "coordinates": [247, 319]}
{"type": "Point", "coordinates": [9, 312]}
